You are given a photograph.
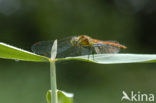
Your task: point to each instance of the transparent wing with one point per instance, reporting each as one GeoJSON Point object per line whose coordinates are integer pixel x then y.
{"type": "Point", "coordinates": [65, 48]}
{"type": "Point", "coordinates": [42, 48]}
{"type": "Point", "coordinates": [105, 48]}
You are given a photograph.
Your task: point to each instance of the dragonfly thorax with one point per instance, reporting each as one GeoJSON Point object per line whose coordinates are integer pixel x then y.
{"type": "Point", "coordinates": [81, 41]}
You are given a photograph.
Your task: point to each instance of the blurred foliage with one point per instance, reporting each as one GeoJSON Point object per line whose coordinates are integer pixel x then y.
{"type": "Point", "coordinates": [63, 97]}
{"type": "Point", "coordinates": [24, 22]}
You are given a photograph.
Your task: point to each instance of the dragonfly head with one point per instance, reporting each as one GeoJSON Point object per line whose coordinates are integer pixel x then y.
{"type": "Point", "coordinates": [75, 41]}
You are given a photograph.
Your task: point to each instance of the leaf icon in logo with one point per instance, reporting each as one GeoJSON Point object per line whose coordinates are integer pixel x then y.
{"type": "Point", "coordinates": [125, 96]}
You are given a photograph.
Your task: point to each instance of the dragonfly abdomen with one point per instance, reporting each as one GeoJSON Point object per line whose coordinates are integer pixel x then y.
{"type": "Point", "coordinates": [109, 43]}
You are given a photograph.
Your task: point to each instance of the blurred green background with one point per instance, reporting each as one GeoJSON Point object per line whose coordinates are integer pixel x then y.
{"type": "Point", "coordinates": [24, 22]}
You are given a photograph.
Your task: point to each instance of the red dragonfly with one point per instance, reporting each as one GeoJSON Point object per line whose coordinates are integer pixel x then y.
{"type": "Point", "coordinates": [77, 46]}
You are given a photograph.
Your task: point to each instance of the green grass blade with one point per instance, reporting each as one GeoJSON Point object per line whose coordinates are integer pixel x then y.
{"type": "Point", "coordinates": [53, 82]}
{"type": "Point", "coordinates": [115, 58]}
{"type": "Point", "coordinates": [63, 97]}
{"type": "Point", "coordinates": [54, 50]}
{"type": "Point", "coordinates": [11, 52]}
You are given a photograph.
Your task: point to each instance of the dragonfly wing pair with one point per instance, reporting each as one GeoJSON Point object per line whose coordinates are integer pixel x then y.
{"type": "Point", "coordinates": [65, 48]}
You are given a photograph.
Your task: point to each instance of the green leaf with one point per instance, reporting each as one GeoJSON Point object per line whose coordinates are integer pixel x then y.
{"type": "Point", "coordinates": [115, 58]}
{"type": "Point", "coordinates": [63, 97]}
{"type": "Point", "coordinates": [11, 52]}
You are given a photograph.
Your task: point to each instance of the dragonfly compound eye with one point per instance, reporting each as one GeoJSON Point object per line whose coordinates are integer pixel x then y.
{"type": "Point", "coordinates": [74, 41]}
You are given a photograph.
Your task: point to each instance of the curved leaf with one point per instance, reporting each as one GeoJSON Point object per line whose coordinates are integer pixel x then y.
{"type": "Point", "coordinates": [115, 58]}
{"type": "Point", "coordinates": [11, 52]}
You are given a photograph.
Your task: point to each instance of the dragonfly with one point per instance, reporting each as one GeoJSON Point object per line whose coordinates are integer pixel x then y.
{"type": "Point", "coordinates": [77, 46]}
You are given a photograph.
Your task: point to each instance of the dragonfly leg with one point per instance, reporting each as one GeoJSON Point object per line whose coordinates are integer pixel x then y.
{"type": "Point", "coordinates": [93, 56]}
{"type": "Point", "coordinates": [92, 52]}
{"type": "Point", "coordinates": [89, 53]}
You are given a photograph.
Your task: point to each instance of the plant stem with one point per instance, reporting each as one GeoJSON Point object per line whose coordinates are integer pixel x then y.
{"type": "Point", "coordinates": [54, 98]}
